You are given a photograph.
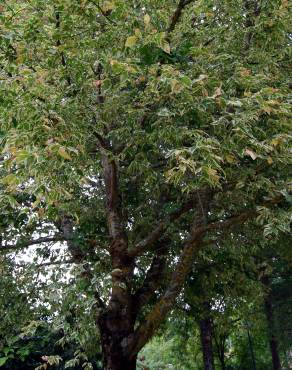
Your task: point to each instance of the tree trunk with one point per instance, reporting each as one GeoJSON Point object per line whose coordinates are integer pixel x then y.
{"type": "Point", "coordinates": [270, 321]}
{"type": "Point", "coordinates": [222, 363]}
{"type": "Point", "coordinates": [222, 359]}
{"type": "Point", "coordinates": [250, 344]}
{"type": "Point", "coordinates": [114, 328]}
{"type": "Point", "coordinates": [220, 347]}
{"type": "Point", "coordinates": [272, 338]}
{"type": "Point", "coordinates": [113, 360]}
{"type": "Point", "coordinates": [206, 342]}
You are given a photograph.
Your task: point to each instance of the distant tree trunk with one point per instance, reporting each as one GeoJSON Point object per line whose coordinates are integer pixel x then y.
{"type": "Point", "coordinates": [222, 362]}
{"type": "Point", "coordinates": [206, 340]}
{"type": "Point", "coordinates": [220, 343]}
{"type": "Point", "coordinates": [272, 338]}
{"type": "Point", "coordinates": [251, 350]}
{"type": "Point", "coordinates": [270, 321]}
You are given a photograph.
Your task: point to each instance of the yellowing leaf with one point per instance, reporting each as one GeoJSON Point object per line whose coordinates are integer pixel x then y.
{"type": "Point", "coordinates": [131, 41]}
{"type": "Point", "coordinates": [213, 174]}
{"type": "Point", "coordinates": [138, 33]}
{"type": "Point", "coordinates": [273, 102]}
{"type": "Point", "coordinates": [230, 158]}
{"type": "Point", "coordinates": [217, 92]}
{"type": "Point", "coordinates": [36, 203]}
{"type": "Point", "coordinates": [64, 154]}
{"type": "Point", "coordinates": [270, 160]}
{"type": "Point", "coordinates": [245, 72]}
{"type": "Point", "coordinates": [41, 212]}
{"type": "Point", "coordinates": [200, 78]}
{"type": "Point", "coordinates": [22, 155]}
{"type": "Point", "coordinates": [108, 5]}
{"type": "Point", "coordinates": [267, 109]}
{"type": "Point", "coordinates": [20, 58]}
{"type": "Point", "coordinates": [176, 87]}
{"type": "Point", "coordinates": [146, 19]}
{"type": "Point", "coordinates": [251, 153]}
{"type": "Point", "coordinates": [165, 47]}
{"type": "Point", "coordinates": [276, 141]}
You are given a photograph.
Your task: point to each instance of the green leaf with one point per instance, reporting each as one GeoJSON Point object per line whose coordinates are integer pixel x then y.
{"type": "Point", "coordinates": [3, 360]}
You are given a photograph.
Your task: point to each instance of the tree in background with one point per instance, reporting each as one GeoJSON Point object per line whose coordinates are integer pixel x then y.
{"type": "Point", "coordinates": [137, 134]}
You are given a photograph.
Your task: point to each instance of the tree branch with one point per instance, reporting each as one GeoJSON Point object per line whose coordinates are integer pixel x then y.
{"type": "Point", "coordinates": [78, 255]}
{"type": "Point", "coordinates": [153, 278]}
{"type": "Point", "coordinates": [192, 246]}
{"type": "Point", "coordinates": [177, 14]}
{"type": "Point", "coordinates": [27, 243]}
{"type": "Point", "coordinates": [50, 263]}
{"type": "Point", "coordinates": [66, 226]}
{"type": "Point", "coordinates": [145, 331]}
{"type": "Point", "coordinates": [149, 242]}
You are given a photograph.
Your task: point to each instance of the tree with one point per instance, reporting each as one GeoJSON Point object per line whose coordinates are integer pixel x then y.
{"type": "Point", "coordinates": [123, 128]}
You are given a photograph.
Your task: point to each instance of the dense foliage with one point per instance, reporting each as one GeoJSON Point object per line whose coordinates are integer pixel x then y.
{"type": "Point", "coordinates": [145, 152]}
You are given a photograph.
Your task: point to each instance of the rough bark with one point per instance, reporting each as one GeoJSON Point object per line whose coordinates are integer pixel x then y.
{"type": "Point", "coordinates": [113, 329]}
{"type": "Point", "coordinates": [117, 320]}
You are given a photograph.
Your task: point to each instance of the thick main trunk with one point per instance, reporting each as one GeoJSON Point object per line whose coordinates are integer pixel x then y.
{"type": "Point", "coordinates": [114, 328]}
{"type": "Point", "coordinates": [113, 360]}
{"type": "Point", "coordinates": [206, 343]}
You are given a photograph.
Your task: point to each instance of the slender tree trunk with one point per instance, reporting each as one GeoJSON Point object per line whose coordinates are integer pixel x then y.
{"type": "Point", "coordinates": [251, 350]}
{"type": "Point", "coordinates": [206, 341]}
{"type": "Point", "coordinates": [272, 338]}
{"type": "Point", "coordinates": [222, 356]}
{"type": "Point", "coordinates": [270, 321]}
{"type": "Point", "coordinates": [222, 363]}
{"type": "Point", "coordinates": [220, 347]}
